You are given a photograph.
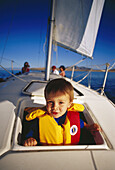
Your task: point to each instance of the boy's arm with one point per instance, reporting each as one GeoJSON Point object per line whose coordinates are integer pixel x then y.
{"type": "Point", "coordinates": [30, 132]}
{"type": "Point", "coordinates": [92, 128]}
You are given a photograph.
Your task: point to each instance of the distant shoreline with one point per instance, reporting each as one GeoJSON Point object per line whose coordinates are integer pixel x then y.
{"type": "Point", "coordinates": [68, 69]}
{"type": "Point", "coordinates": [92, 70]}
{"type": "Point", "coordinates": [43, 69]}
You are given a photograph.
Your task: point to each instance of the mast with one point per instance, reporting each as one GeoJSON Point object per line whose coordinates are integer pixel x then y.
{"type": "Point", "coordinates": [49, 48]}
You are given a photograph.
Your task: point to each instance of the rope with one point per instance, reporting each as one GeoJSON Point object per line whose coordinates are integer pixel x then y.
{"type": "Point", "coordinates": [100, 69]}
{"type": "Point", "coordinates": [83, 78]}
{"type": "Point", "coordinates": [102, 64]}
{"type": "Point", "coordinates": [89, 73]}
{"type": "Point", "coordinates": [13, 74]}
{"type": "Point", "coordinates": [112, 66]}
{"type": "Point", "coordinates": [75, 64]}
{"type": "Point", "coordinates": [108, 69]}
{"type": "Point", "coordinates": [79, 75]}
{"type": "Point", "coordinates": [6, 59]}
{"type": "Point", "coordinates": [11, 61]}
{"type": "Point", "coordinates": [8, 34]}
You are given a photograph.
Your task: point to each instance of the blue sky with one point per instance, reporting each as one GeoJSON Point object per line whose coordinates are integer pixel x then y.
{"type": "Point", "coordinates": [23, 28]}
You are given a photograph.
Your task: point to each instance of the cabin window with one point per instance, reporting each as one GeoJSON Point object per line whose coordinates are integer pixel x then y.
{"type": "Point", "coordinates": [37, 88]}
{"type": "Point", "coordinates": [87, 141]}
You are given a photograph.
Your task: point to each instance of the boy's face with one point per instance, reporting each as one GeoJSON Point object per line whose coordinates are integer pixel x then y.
{"type": "Point", "coordinates": [57, 104]}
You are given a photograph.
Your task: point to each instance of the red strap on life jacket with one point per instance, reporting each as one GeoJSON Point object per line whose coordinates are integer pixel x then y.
{"type": "Point", "coordinates": [74, 126]}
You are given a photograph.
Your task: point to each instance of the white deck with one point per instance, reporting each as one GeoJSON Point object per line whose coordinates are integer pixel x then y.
{"type": "Point", "coordinates": [13, 156]}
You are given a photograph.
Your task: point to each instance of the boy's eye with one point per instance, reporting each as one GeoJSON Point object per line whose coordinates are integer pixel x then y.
{"type": "Point", "coordinates": [61, 102]}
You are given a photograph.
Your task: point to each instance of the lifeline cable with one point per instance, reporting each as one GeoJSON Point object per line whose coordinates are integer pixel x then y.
{"type": "Point", "coordinates": [13, 74]}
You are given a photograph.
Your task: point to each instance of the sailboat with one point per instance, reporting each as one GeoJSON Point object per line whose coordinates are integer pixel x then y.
{"type": "Point", "coordinates": [68, 30]}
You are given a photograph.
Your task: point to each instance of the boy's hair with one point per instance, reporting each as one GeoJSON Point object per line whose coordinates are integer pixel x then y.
{"type": "Point", "coordinates": [60, 85]}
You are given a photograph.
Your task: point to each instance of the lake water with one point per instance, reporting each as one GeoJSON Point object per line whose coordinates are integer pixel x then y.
{"type": "Point", "coordinates": [95, 79]}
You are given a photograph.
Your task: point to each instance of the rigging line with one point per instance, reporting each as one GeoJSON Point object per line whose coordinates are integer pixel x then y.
{"type": "Point", "coordinates": [99, 66]}
{"type": "Point", "coordinates": [111, 60]}
{"type": "Point", "coordinates": [13, 74]}
{"type": "Point", "coordinates": [76, 63]}
{"type": "Point", "coordinates": [11, 60]}
{"type": "Point", "coordinates": [16, 63]}
{"type": "Point", "coordinates": [7, 35]}
{"type": "Point", "coordinates": [79, 75]}
{"type": "Point", "coordinates": [112, 66]}
{"type": "Point", "coordinates": [108, 69]}
{"type": "Point", "coordinates": [40, 46]}
{"type": "Point", "coordinates": [100, 69]}
{"type": "Point", "coordinates": [83, 78]}
{"type": "Point", "coordinates": [6, 59]}
{"type": "Point", "coordinates": [48, 21]}
{"type": "Point", "coordinates": [102, 64]}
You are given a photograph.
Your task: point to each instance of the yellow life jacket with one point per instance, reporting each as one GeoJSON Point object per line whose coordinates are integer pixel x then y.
{"type": "Point", "coordinates": [50, 133]}
{"type": "Point", "coordinates": [37, 112]}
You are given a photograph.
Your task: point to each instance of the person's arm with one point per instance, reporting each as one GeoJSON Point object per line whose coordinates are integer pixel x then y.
{"type": "Point", "coordinates": [92, 128]}
{"type": "Point", "coordinates": [30, 130]}
{"type": "Point", "coordinates": [29, 139]}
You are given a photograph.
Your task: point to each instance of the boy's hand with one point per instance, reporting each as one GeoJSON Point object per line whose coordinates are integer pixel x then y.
{"type": "Point", "coordinates": [30, 142]}
{"type": "Point", "coordinates": [93, 128]}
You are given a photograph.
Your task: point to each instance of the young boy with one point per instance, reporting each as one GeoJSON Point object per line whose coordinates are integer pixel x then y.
{"type": "Point", "coordinates": [58, 123]}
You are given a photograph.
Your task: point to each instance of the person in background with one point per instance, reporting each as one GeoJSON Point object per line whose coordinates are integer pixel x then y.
{"type": "Point", "coordinates": [54, 70]}
{"type": "Point", "coordinates": [59, 122]}
{"type": "Point", "coordinates": [62, 70]}
{"type": "Point", "coordinates": [26, 69]}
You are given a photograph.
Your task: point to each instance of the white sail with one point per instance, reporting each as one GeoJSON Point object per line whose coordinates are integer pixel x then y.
{"type": "Point", "coordinates": [76, 24]}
